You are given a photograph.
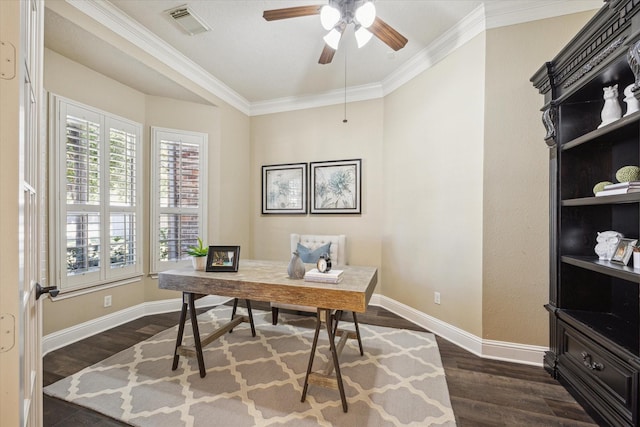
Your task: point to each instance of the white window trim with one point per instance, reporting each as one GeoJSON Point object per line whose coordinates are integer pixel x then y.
{"type": "Point", "coordinates": [201, 139]}
{"type": "Point", "coordinates": [58, 206]}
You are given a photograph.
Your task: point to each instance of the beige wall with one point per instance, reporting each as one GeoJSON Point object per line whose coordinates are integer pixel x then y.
{"type": "Point", "coordinates": [454, 178]}
{"type": "Point", "coordinates": [433, 189]}
{"type": "Point", "coordinates": [516, 209]}
{"type": "Point", "coordinates": [463, 176]}
{"type": "Point", "coordinates": [228, 138]}
{"type": "Point", "coordinates": [316, 135]}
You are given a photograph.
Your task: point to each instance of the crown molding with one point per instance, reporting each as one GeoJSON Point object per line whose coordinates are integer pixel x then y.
{"type": "Point", "coordinates": [465, 30]}
{"type": "Point", "coordinates": [488, 15]}
{"type": "Point", "coordinates": [115, 20]}
{"type": "Point", "coordinates": [353, 94]}
{"type": "Point", "coordinates": [503, 13]}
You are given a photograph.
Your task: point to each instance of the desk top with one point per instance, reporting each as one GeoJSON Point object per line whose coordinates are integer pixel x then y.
{"type": "Point", "coordinates": [268, 281]}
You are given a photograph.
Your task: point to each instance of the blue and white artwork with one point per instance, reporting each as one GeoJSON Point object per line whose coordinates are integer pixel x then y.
{"type": "Point", "coordinates": [336, 186]}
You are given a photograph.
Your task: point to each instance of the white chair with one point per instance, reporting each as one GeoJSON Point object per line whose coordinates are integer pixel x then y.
{"type": "Point", "coordinates": [338, 254]}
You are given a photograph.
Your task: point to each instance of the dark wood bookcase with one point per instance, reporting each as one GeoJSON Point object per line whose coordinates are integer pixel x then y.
{"type": "Point", "coordinates": [594, 305]}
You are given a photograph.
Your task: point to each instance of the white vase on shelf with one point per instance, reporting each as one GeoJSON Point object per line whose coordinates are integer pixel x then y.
{"type": "Point", "coordinates": [611, 110]}
{"type": "Point", "coordinates": [632, 102]}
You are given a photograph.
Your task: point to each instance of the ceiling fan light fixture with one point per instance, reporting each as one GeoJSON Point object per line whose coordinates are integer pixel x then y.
{"type": "Point", "coordinates": [366, 14]}
{"type": "Point", "coordinates": [332, 39]}
{"type": "Point", "coordinates": [329, 17]}
{"type": "Point", "coordinates": [363, 36]}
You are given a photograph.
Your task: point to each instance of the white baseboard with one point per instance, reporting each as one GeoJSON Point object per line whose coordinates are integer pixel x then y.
{"type": "Point", "coordinates": [488, 349]}
{"type": "Point", "coordinates": [81, 331]}
{"type": "Point", "coordinates": [498, 350]}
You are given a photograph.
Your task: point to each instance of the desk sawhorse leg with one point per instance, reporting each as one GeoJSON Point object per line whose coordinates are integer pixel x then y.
{"type": "Point", "coordinates": [188, 303]}
{"type": "Point", "coordinates": [325, 379]}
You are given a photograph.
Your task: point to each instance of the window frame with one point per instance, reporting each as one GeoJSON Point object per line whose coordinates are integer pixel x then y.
{"type": "Point", "coordinates": [59, 107]}
{"type": "Point", "coordinates": [202, 140]}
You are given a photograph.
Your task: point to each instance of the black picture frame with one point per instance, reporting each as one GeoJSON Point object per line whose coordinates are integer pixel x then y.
{"type": "Point", "coordinates": [223, 258]}
{"type": "Point", "coordinates": [336, 187]}
{"type": "Point", "coordinates": [284, 189]}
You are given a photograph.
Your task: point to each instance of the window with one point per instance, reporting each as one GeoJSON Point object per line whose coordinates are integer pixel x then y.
{"type": "Point", "coordinates": [178, 195]}
{"type": "Point", "coordinates": [96, 196]}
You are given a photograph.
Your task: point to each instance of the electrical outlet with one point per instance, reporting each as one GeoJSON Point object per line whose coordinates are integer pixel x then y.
{"type": "Point", "coordinates": [107, 301]}
{"type": "Point", "coordinates": [436, 297]}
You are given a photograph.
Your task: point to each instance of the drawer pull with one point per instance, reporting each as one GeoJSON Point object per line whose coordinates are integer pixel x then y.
{"type": "Point", "coordinates": [587, 360]}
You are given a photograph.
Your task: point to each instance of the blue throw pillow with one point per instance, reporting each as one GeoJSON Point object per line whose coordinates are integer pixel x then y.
{"type": "Point", "coordinates": [309, 256]}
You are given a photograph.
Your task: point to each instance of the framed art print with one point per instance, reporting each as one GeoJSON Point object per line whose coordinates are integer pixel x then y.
{"type": "Point", "coordinates": [336, 187]}
{"type": "Point", "coordinates": [284, 189]}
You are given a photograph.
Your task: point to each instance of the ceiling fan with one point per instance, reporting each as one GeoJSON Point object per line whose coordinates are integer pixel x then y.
{"type": "Point", "coordinates": [336, 16]}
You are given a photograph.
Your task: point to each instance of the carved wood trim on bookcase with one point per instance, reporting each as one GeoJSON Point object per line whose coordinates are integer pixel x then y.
{"type": "Point", "coordinates": [591, 63]}
{"type": "Point", "coordinates": [596, 47]}
{"type": "Point", "coordinates": [549, 115]}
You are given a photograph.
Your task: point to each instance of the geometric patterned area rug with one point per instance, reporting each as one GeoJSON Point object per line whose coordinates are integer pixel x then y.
{"type": "Point", "coordinates": [258, 381]}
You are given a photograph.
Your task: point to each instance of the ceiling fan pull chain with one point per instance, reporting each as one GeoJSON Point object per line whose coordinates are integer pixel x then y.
{"type": "Point", "coordinates": [345, 87]}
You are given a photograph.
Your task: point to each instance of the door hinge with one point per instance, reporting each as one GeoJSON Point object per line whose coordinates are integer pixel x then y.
{"type": "Point", "coordinates": [7, 60]}
{"type": "Point", "coordinates": [7, 332]}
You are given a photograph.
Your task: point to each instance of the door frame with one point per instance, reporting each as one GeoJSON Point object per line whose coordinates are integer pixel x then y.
{"type": "Point", "coordinates": [21, 217]}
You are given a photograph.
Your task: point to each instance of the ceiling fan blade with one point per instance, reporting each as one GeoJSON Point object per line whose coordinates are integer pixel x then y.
{"type": "Point", "coordinates": [387, 34]}
{"type": "Point", "coordinates": [327, 55]}
{"type": "Point", "coordinates": [291, 12]}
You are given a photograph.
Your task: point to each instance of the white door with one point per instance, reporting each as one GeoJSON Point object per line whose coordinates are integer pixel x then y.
{"type": "Point", "coordinates": [21, 217]}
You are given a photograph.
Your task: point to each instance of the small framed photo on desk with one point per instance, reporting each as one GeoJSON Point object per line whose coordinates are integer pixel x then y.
{"type": "Point", "coordinates": [223, 258]}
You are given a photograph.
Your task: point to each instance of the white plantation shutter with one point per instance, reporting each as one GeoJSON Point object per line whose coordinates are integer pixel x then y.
{"type": "Point", "coordinates": [123, 196]}
{"type": "Point", "coordinates": [96, 162]}
{"type": "Point", "coordinates": [179, 179]}
{"type": "Point", "coordinates": [82, 130]}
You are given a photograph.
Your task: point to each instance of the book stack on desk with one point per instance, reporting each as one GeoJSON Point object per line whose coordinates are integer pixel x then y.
{"type": "Point", "coordinates": [620, 188]}
{"type": "Point", "coordinates": [332, 276]}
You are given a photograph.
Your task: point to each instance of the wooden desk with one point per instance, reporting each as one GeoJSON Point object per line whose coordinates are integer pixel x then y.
{"type": "Point", "coordinates": [268, 281]}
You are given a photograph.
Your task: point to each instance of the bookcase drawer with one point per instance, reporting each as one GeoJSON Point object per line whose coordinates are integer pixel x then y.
{"type": "Point", "coordinates": [599, 374]}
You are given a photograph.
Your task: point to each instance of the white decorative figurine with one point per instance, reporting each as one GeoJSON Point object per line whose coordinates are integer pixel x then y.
{"type": "Point", "coordinates": [632, 102]}
{"type": "Point", "coordinates": [607, 244]}
{"type": "Point", "coordinates": [611, 110]}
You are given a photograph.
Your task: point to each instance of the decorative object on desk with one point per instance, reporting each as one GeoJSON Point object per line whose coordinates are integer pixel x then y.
{"type": "Point", "coordinates": [284, 189]}
{"type": "Point", "coordinates": [600, 186]}
{"type": "Point", "coordinates": [623, 251]}
{"type": "Point", "coordinates": [628, 173]}
{"type": "Point", "coordinates": [402, 374]}
{"type": "Point", "coordinates": [619, 188]}
{"type": "Point", "coordinates": [607, 244]}
{"type": "Point", "coordinates": [632, 102]}
{"type": "Point", "coordinates": [324, 263]}
{"type": "Point", "coordinates": [296, 268]}
{"type": "Point", "coordinates": [315, 275]}
{"type": "Point", "coordinates": [198, 255]}
{"type": "Point", "coordinates": [336, 187]}
{"type": "Point", "coordinates": [611, 110]}
{"type": "Point", "coordinates": [223, 258]}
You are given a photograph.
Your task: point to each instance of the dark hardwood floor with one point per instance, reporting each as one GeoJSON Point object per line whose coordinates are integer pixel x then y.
{"type": "Point", "coordinates": [483, 392]}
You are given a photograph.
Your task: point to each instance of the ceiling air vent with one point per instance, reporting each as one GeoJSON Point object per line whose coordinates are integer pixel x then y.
{"type": "Point", "coordinates": [191, 23]}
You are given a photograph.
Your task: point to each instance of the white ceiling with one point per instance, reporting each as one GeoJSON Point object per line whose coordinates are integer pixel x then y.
{"type": "Point", "coordinates": [261, 66]}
